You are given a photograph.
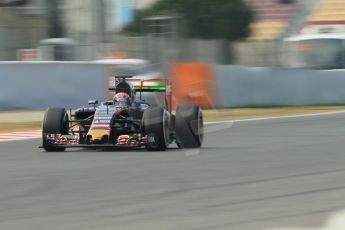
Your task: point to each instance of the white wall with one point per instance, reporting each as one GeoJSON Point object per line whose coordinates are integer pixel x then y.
{"type": "Point", "coordinates": [55, 84]}
{"type": "Point", "coordinates": [241, 87]}
{"type": "Point", "coordinates": [39, 85]}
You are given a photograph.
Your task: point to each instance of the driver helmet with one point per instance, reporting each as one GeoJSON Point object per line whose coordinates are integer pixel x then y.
{"type": "Point", "coordinates": [122, 99]}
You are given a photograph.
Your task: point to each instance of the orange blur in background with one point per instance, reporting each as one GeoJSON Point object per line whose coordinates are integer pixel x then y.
{"type": "Point", "coordinates": [193, 83]}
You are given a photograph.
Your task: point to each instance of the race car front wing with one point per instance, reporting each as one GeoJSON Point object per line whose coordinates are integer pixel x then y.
{"type": "Point", "coordinates": [74, 141]}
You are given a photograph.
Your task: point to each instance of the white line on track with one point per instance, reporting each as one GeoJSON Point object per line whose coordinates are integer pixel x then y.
{"type": "Point", "coordinates": [35, 134]}
{"type": "Point", "coordinates": [335, 222]}
{"type": "Point", "coordinates": [277, 117]}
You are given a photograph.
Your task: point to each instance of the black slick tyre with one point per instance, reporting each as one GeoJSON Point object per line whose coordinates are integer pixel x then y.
{"type": "Point", "coordinates": [189, 126]}
{"type": "Point", "coordinates": [55, 122]}
{"type": "Point", "coordinates": [156, 127]}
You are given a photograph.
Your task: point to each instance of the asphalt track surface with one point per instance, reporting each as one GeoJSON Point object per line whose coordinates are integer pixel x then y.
{"type": "Point", "coordinates": [251, 175]}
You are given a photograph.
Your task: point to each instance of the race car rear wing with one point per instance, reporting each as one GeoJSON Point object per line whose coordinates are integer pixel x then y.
{"type": "Point", "coordinates": [151, 85]}
{"type": "Point", "coordinates": [148, 85]}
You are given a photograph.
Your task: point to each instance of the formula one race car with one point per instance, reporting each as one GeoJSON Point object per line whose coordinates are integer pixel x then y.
{"type": "Point", "coordinates": [126, 121]}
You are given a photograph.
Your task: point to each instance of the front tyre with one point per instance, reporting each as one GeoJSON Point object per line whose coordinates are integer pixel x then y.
{"type": "Point", "coordinates": [156, 126]}
{"type": "Point", "coordinates": [189, 126]}
{"type": "Point", "coordinates": [55, 122]}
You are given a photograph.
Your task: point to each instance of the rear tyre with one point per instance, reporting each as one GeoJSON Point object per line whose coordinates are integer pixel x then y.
{"type": "Point", "coordinates": [189, 126]}
{"type": "Point", "coordinates": [55, 122]}
{"type": "Point", "coordinates": [156, 127]}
